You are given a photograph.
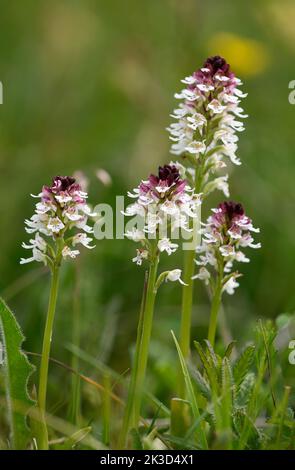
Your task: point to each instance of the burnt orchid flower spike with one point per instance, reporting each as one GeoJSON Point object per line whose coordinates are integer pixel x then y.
{"type": "Point", "coordinates": [160, 201]}
{"type": "Point", "coordinates": [162, 196]}
{"type": "Point", "coordinates": [62, 207]}
{"type": "Point", "coordinates": [225, 234]}
{"type": "Point", "coordinates": [204, 138]}
{"type": "Point", "coordinates": [207, 122]}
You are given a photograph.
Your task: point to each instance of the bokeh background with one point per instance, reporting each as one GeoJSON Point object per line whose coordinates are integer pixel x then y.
{"type": "Point", "coordinates": [89, 85]}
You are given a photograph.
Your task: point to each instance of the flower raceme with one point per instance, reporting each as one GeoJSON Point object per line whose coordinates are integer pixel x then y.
{"type": "Point", "coordinates": [61, 212]}
{"type": "Point", "coordinates": [164, 203]}
{"type": "Point", "coordinates": [206, 123]}
{"type": "Point", "coordinates": [62, 207]}
{"type": "Point", "coordinates": [225, 233]}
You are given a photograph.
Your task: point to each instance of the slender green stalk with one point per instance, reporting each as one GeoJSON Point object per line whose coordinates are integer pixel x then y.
{"type": "Point", "coordinates": [106, 409]}
{"type": "Point", "coordinates": [134, 398]}
{"type": "Point", "coordinates": [42, 438]}
{"type": "Point", "coordinates": [129, 404]}
{"type": "Point", "coordinates": [186, 310]}
{"type": "Point", "coordinates": [282, 412]}
{"type": "Point", "coordinates": [74, 411]}
{"type": "Point", "coordinates": [145, 338]}
{"type": "Point", "coordinates": [187, 296]}
{"type": "Point", "coordinates": [215, 306]}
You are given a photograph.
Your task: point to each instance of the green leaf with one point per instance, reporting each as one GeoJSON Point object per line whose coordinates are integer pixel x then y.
{"type": "Point", "coordinates": [203, 357]}
{"type": "Point", "coordinates": [201, 383]}
{"type": "Point", "coordinates": [191, 394]}
{"type": "Point", "coordinates": [136, 439]}
{"type": "Point", "coordinates": [210, 370]}
{"type": "Point", "coordinates": [254, 437]}
{"type": "Point", "coordinates": [227, 376]}
{"type": "Point", "coordinates": [179, 443]}
{"type": "Point", "coordinates": [245, 390]}
{"type": "Point", "coordinates": [74, 440]}
{"type": "Point", "coordinates": [229, 349]}
{"type": "Point", "coordinates": [180, 417]}
{"type": "Point", "coordinates": [17, 372]}
{"type": "Point", "coordinates": [226, 400]}
{"type": "Point", "coordinates": [243, 364]}
{"type": "Point", "coordinates": [211, 356]}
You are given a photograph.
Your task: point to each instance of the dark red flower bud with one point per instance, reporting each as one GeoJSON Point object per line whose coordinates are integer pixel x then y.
{"type": "Point", "coordinates": [168, 173]}
{"type": "Point", "coordinates": [62, 183]}
{"type": "Point", "coordinates": [217, 64]}
{"type": "Point", "coordinates": [231, 210]}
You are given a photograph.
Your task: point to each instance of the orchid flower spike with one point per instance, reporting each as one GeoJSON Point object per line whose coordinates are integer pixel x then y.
{"type": "Point", "coordinates": [225, 234]}
{"type": "Point", "coordinates": [163, 203]}
{"type": "Point", "coordinates": [59, 223]}
{"type": "Point", "coordinates": [207, 122]}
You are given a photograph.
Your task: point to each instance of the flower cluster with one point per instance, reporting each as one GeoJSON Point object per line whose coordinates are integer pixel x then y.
{"type": "Point", "coordinates": [62, 207]}
{"type": "Point", "coordinates": [206, 120]}
{"type": "Point", "coordinates": [163, 203]}
{"type": "Point", "coordinates": [225, 233]}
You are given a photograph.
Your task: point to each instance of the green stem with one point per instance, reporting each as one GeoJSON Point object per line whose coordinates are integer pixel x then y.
{"type": "Point", "coordinates": [134, 398]}
{"type": "Point", "coordinates": [187, 300]}
{"type": "Point", "coordinates": [42, 438]}
{"type": "Point", "coordinates": [145, 337]}
{"type": "Point", "coordinates": [129, 404]}
{"type": "Point", "coordinates": [74, 411]}
{"type": "Point", "coordinates": [106, 409]}
{"type": "Point", "coordinates": [214, 313]}
{"type": "Point", "coordinates": [189, 256]}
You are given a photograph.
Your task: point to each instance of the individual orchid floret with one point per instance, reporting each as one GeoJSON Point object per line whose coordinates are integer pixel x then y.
{"type": "Point", "coordinates": [166, 245]}
{"type": "Point", "coordinates": [62, 209]}
{"type": "Point", "coordinates": [163, 204]}
{"type": "Point", "coordinates": [173, 276]}
{"type": "Point", "coordinates": [226, 232]}
{"type": "Point", "coordinates": [141, 255]}
{"type": "Point", "coordinates": [207, 121]}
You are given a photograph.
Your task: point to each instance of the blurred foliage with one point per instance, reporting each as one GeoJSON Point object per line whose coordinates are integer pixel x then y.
{"type": "Point", "coordinates": [89, 84]}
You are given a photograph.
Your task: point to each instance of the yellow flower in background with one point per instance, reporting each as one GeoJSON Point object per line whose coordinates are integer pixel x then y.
{"type": "Point", "coordinates": [282, 14]}
{"type": "Point", "coordinates": [247, 57]}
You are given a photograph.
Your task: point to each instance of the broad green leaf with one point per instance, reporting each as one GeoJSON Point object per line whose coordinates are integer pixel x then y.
{"type": "Point", "coordinates": [227, 401]}
{"type": "Point", "coordinates": [243, 365]}
{"type": "Point", "coordinates": [201, 383]}
{"type": "Point", "coordinates": [17, 370]}
{"type": "Point", "coordinates": [211, 356]}
{"type": "Point", "coordinates": [210, 370]}
{"type": "Point", "coordinates": [245, 390]}
{"type": "Point", "coordinates": [203, 357]}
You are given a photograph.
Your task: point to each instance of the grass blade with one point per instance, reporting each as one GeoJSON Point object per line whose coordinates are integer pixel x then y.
{"type": "Point", "coordinates": [191, 394]}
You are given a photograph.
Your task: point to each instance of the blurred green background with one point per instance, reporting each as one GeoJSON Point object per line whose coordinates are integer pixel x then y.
{"type": "Point", "coordinates": [88, 85]}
